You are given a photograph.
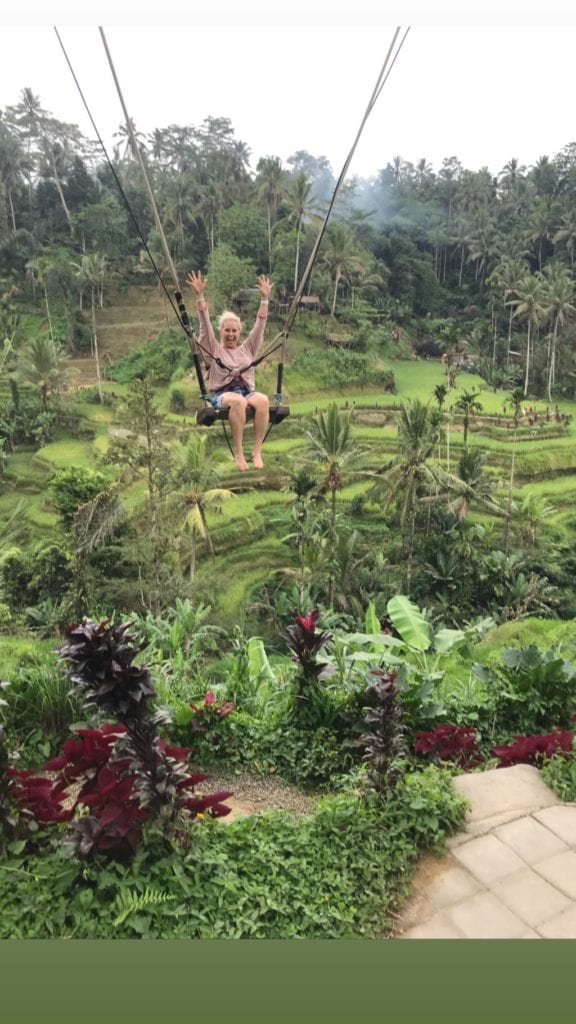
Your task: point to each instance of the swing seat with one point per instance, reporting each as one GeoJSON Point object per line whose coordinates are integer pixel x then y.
{"type": "Point", "coordinates": [208, 415]}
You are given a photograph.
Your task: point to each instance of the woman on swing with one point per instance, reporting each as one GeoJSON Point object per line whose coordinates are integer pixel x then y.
{"type": "Point", "coordinates": [233, 388]}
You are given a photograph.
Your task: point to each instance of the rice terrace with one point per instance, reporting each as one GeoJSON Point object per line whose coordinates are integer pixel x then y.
{"type": "Point", "coordinates": [259, 702]}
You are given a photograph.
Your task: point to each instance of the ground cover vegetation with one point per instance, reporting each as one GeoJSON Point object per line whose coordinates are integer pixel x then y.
{"type": "Point", "coordinates": [389, 602]}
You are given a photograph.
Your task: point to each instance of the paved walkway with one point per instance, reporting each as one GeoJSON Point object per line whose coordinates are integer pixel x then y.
{"type": "Point", "coordinates": [510, 875]}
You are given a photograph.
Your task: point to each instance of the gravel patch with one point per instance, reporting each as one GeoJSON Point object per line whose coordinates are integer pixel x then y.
{"type": "Point", "coordinates": [259, 793]}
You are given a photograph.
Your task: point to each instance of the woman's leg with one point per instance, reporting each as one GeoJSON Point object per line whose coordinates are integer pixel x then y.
{"type": "Point", "coordinates": [261, 407]}
{"type": "Point", "coordinates": [236, 406]}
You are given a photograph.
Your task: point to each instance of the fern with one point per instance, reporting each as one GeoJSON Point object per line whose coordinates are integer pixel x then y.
{"type": "Point", "coordinates": [127, 902]}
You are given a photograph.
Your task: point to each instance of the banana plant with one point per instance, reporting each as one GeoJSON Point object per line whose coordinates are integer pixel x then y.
{"type": "Point", "coordinates": [413, 650]}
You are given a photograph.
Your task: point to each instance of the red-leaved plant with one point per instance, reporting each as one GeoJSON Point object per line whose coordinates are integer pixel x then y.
{"type": "Point", "coordinates": [124, 773]}
{"type": "Point", "coordinates": [456, 744]}
{"type": "Point", "coordinates": [305, 643]}
{"type": "Point", "coordinates": [533, 749]}
{"type": "Point", "coordinates": [210, 712]}
{"type": "Point", "coordinates": [383, 736]}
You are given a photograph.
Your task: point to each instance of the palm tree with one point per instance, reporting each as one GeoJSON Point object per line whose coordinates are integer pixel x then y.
{"type": "Point", "coordinates": [467, 403]}
{"type": "Point", "coordinates": [409, 475]}
{"type": "Point", "coordinates": [461, 238]}
{"type": "Point", "coordinates": [14, 166]}
{"type": "Point", "coordinates": [567, 235]}
{"type": "Point", "coordinates": [177, 208]}
{"type": "Point", "coordinates": [484, 247]}
{"type": "Point", "coordinates": [517, 396]}
{"type": "Point", "coordinates": [42, 364]}
{"type": "Point", "coordinates": [558, 308]}
{"type": "Point", "coordinates": [505, 277]}
{"type": "Point", "coordinates": [92, 270]}
{"type": "Point", "coordinates": [341, 258]}
{"type": "Point", "coordinates": [528, 304]}
{"type": "Point", "coordinates": [471, 486]}
{"type": "Point", "coordinates": [198, 493]}
{"type": "Point", "coordinates": [298, 195]}
{"type": "Point", "coordinates": [123, 150]}
{"type": "Point", "coordinates": [510, 174]}
{"type": "Point", "coordinates": [330, 443]}
{"type": "Point", "coordinates": [540, 229]}
{"type": "Point", "coordinates": [531, 513]}
{"type": "Point", "coordinates": [270, 175]}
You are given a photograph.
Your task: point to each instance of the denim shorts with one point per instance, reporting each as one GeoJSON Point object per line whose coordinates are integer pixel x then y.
{"type": "Point", "coordinates": [238, 389]}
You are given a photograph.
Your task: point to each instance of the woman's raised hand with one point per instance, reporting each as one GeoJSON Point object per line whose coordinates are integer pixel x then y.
{"type": "Point", "coordinates": [265, 286]}
{"type": "Point", "coordinates": [197, 282]}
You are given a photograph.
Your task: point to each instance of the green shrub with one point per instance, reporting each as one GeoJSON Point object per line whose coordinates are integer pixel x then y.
{"type": "Point", "coordinates": [337, 873]}
{"type": "Point", "coordinates": [533, 690]}
{"type": "Point", "coordinates": [340, 368]}
{"type": "Point", "coordinates": [158, 358]}
{"type": "Point", "coordinates": [559, 772]}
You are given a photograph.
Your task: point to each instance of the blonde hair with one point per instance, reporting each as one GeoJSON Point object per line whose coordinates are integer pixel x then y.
{"type": "Point", "coordinates": [228, 315]}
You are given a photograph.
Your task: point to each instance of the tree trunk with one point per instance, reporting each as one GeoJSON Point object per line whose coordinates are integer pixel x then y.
{"type": "Point", "coordinates": [95, 347]}
{"type": "Point", "coordinates": [48, 311]}
{"type": "Point", "coordinates": [58, 184]}
{"type": "Point", "coordinates": [269, 213]}
{"type": "Point", "coordinates": [297, 258]}
{"type": "Point", "coordinates": [527, 374]}
{"type": "Point", "coordinates": [552, 362]}
{"type": "Point", "coordinates": [207, 534]}
{"type": "Point", "coordinates": [334, 297]}
{"type": "Point", "coordinates": [12, 215]}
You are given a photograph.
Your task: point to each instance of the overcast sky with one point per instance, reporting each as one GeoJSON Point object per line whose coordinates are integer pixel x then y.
{"type": "Point", "coordinates": [302, 80]}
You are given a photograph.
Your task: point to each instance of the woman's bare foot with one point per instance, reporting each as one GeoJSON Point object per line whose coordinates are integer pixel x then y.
{"type": "Point", "coordinates": [257, 461]}
{"type": "Point", "coordinates": [241, 462]}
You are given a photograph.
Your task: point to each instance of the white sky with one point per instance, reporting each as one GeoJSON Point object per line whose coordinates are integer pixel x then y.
{"type": "Point", "coordinates": [301, 77]}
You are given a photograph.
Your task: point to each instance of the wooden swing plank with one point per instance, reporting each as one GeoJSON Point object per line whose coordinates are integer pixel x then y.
{"type": "Point", "coordinates": [208, 415]}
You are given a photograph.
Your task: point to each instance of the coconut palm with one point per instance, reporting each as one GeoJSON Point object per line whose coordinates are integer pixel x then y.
{"type": "Point", "coordinates": [558, 293]}
{"type": "Point", "coordinates": [341, 258]}
{"type": "Point", "coordinates": [329, 442]}
{"type": "Point", "coordinates": [532, 511]}
{"type": "Point", "coordinates": [467, 403]}
{"type": "Point", "coordinates": [470, 486]}
{"type": "Point", "coordinates": [42, 363]}
{"type": "Point", "coordinates": [198, 493]}
{"type": "Point", "coordinates": [529, 305]}
{"type": "Point", "coordinates": [567, 235]}
{"type": "Point", "coordinates": [270, 175]}
{"type": "Point", "coordinates": [92, 271]}
{"type": "Point", "coordinates": [123, 150]}
{"type": "Point", "coordinates": [517, 397]}
{"type": "Point", "coordinates": [15, 166]}
{"type": "Point", "coordinates": [484, 246]}
{"type": "Point", "coordinates": [410, 476]}
{"type": "Point", "coordinates": [505, 278]}
{"type": "Point", "coordinates": [298, 196]}
{"type": "Point", "coordinates": [540, 225]}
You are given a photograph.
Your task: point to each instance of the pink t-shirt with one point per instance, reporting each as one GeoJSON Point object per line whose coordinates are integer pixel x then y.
{"type": "Point", "coordinates": [234, 358]}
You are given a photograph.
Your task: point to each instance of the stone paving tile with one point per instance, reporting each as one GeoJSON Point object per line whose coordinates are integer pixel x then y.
{"type": "Point", "coordinates": [520, 788]}
{"type": "Point", "coordinates": [530, 840]}
{"type": "Point", "coordinates": [560, 870]}
{"type": "Point", "coordinates": [485, 917]}
{"type": "Point", "coordinates": [563, 926]}
{"type": "Point", "coordinates": [488, 859]}
{"type": "Point", "coordinates": [483, 826]}
{"type": "Point", "coordinates": [454, 885]}
{"type": "Point", "coordinates": [416, 911]}
{"type": "Point", "coordinates": [561, 819]}
{"type": "Point", "coordinates": [438, 927]}
{"type": "Point", "coordinates": [518, 851]}
{"type": "Point", "coordinates": [530, 897]}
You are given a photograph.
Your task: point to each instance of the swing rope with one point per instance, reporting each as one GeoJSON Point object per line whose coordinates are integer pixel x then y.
{"type": "Point", "coordinates": [180, 309]}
